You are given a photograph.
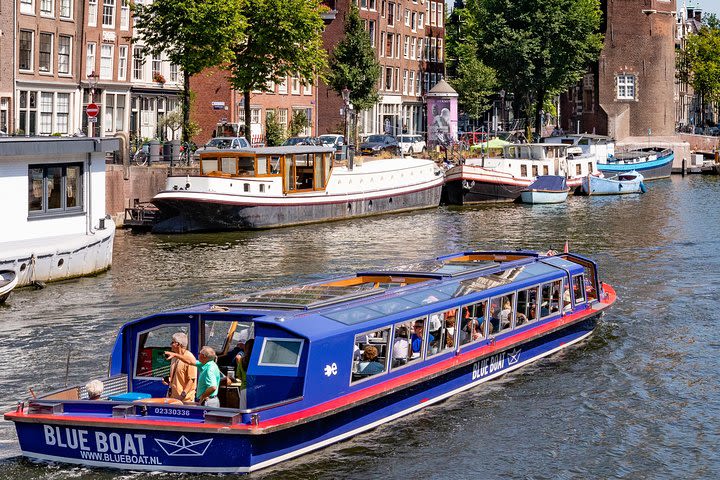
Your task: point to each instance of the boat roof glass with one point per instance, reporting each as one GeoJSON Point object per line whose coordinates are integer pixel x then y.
{"type": "Point", "coordinates": [425, 296]}
{"type": "Point", "coordinates": [303, 296]}
{"type": "Point", "coordinates": [439, 268]}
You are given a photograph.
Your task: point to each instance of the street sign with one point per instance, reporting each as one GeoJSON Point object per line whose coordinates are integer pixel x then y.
{"type": "Point", "coordinates": [92, 110]}
{"type": "Point", "coordinates": [92, 119]}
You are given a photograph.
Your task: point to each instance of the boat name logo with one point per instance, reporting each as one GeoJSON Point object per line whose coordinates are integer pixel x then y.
{"type": "Point", "coordinates": [514, 356]}
{"type": "Point", "coordinates": [331, 369]}
{"type": "Point", "coordinates": [183, 447]}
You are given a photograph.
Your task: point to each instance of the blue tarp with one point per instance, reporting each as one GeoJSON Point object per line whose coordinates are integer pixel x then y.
{"type": "Point", "coordinates": [549, 182]}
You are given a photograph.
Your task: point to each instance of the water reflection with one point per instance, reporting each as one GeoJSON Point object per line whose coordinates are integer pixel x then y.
{"type": "Point", "coordinates": [641, 394]}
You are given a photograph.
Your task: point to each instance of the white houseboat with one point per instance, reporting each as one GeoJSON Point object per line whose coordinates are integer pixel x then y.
{"type": "Point", "coordinates": [53, 207]}
{"type": "Point", "coordinates": [281, 186]}
{"type": "Point", "coordinates": [501, 179]}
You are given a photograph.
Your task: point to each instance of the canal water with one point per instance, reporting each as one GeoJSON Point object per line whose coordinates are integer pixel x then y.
{"type": "Point", "coordinates": [639, 400]}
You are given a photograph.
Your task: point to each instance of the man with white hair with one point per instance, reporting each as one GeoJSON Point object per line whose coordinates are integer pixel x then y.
{"type": "Point", "coordinates": [183, 374]}
{"type": "Point", "coordinates": [209, 379]}
{"type": "Point", "coordinates": [94, 389]}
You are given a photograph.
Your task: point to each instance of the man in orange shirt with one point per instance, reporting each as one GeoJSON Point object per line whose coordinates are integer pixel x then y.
{"type": "Point", "coordinates": [183, 376]}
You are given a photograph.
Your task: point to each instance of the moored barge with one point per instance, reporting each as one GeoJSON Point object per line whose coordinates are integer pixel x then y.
{"type": "Point", "coordinates": [331, 359]}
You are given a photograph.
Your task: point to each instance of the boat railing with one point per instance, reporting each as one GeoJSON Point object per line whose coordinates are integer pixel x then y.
{"type": "Point", "coordinates": [111, 386]}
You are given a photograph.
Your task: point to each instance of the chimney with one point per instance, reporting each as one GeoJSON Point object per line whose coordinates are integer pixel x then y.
{"type": "Point", "coordinates": [698, 15]}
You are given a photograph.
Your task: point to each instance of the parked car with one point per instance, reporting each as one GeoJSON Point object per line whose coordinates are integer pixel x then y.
{"type": "Point", "coordinates": [380, 143]}
{"type": "Point", "coordinates": [292, 141]}
{"type": "Point", "coordinates": [333, 139]}
{"type": "Point", "coordinates": [411, 144]}
{"type": "Point", "coordinates": [218, 143]}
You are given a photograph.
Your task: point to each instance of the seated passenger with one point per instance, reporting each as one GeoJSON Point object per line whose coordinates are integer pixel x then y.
{"type": "Point", "coordinates": [520, 319]}
{"type": "Point", "coordinates": [506, 314]}
{"type": "Point", "coordinates": [94, 389]}
{"type": "Point", "coordinates": [401, 347]}
{"type": "Point", "coordinates": [449, 331]}
{"type": "Point", "coordinates": [566, 299]}
{"type": "Point", "coordinates": [416, 341]}
{"type": "Point", "coordinates": [435, 325]}
{"type": "Point", "coordinates": [472, 330]}
{"type": "Point", "coordinates": [369, 364]}
{"type": "Point", "coordinates": [494, 318]}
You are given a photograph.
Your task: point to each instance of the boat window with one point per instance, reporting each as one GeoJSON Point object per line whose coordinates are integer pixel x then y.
{"type": "Point", "coordinates": [227, 164]}
{"type": "Point", "coordinates": [237, 336]}
{"type": "Point", "coordinates": [526, 306]}
{"type": "Point", "coordinates": [262, 166]}
{"type": "Point", "coordinates": [472, 325]}
{"type": "Point", "coordinates": [546, 170]}
{"type": "Point", "coordinates": [275, 165]}
{"type": "Point", "coordinates": [566, 300]}
{"type": "Point", "coordinates": [328, 166]}
{"type": "Point", "coordinates": [289, 172]}
{"type": "Point", "coordinates": [280, 352]}
{"type": "Point", "coordinates": [550, 299]}
{"type": "Point", "coordinates": [151, 347]}
{"type": "Point", "coordinates": [523, 170]}
{"type": "Point", "coordinates": [370, 354]}
{"type": "Point", "coordinates": [401, 351]}
{"type": "Point", "coordinates": [215, 334]}
{"type": "Point", "coordinates": [578, 169]}
{"type": "Point", "coordinates": [318, 171]}
{"type": "Point", "coordinates": [501, 312]}
{"type": "Point", "coordinates": [392, 305]}
{"type": "Point", "coordinates": [304, 171]}
{"type": "Point", "coordinates": [209, 165]}
{"type": "Point", "coordinates": [579, 289]}
{"type": "Point", "coordinates": [419, 338]}
{"type": "Point", "coordinates": [442, 329]}
{"type": "Point", "coordinates": [590, 167]}
{"type": "Point", "coordinates": [246, 166]}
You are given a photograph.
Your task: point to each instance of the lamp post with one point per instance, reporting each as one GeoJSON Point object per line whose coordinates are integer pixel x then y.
{"type": "Point", "coordinates": [346, 111]}
{"type": "Point", "coordinates": [502, 108]}
{"type": "Point", "coordinates": [92, 80]}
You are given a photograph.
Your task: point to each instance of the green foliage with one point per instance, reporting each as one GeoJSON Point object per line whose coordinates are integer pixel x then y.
{"type": "Point", "coordinates": [353, 64]}
{"type": "Point", "coordinates": [699, 62]}
{"type": "Point", "coordinates": [274, 132]}
{"type": "Point", "coordinates": [193, 34]}
{"type": "Point", "coordinates": [539, 48]}
{"type": "Point", "coordinates": [298, 123]}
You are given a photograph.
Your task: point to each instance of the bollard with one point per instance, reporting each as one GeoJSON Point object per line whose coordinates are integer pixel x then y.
{"type": "Point", "coordinates": [684, 167]}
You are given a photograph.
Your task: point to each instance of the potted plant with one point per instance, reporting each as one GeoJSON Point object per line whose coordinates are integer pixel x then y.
{"type": "Point", "coordinates": [158, 78]}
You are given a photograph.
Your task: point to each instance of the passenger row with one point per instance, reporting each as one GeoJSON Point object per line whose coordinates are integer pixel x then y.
{"type": "Point", "coordinates": [458, 327]}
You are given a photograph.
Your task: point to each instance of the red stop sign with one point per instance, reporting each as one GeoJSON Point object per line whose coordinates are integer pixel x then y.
{"type": "Point", "coordinates": [92, 110]}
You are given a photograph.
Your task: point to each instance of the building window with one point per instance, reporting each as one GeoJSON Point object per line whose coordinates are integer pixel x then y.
{"type": "Point", "coordinates": [388, 78]}
{"type": "Point", "coordinates": [391, 14]}
{"type": "Point", "coordinates": [4, 108]}
{"type": "Point", "coordinates": [433, 13]}
{"type": "Point", "coordinates": [440, 18]}
{"type": "Point", "coordinates": [92, 13]}
{"type": "Point", "coordinates": [26, 47]}
{"type": "Point", "coordinates": [109, 110]}
{"type": "Point", "coordinates": [389, 45]}
{"type": "Point", "coordinates": [90, 66]}
{"type": "Point", "coordinates": [137, 63]}
{"type": "Point", "coordinates": [371, 4]}
{"type": "Point", "coordinates": [46, 8]}
{"type": "Point", "coordinates": [412, 83]}
{"type": "Point", "coordinates": [174, 73]}
{"type": "Point", "coordinates": [413, 21]}
{"type": "Point", "coordinates": [106, 62]}
{"type": "Point", "coordinates": [406, 50]}
{"type": "Point", "coordinates": [295, 86]}
{"type": "Point", "coordinates": [65, 8]}
{"type": "Point", "coordinates": [405, 82]}
{"type": "Point", "coordinates": [307, 89]}
{"type": "Point", "coordinates": [54, 188]}
{"type": "Point", "coordinates": [122, 61]}
{"type": "Point", "coordinates": [46, 111]}
{"type": "Point", "coordinates": [255, 116]}
{"type": "Point", "coordinates": [371, 32]}
{"type": "Point", "coordinates": [124, 15]}
{"type": "Point", "coordinates": [626, 87]}
{"type": "Point", "coordinates": [439, 49]}
{"type": "Point", "coordinates": [62, 124]}
{"type": "Point", "coordinates": [45, 53]}
{"type": "Point", "coordinates": [282, 87]}
{"type": "Point", "coordinates": [27, 6]}
{"type": "Point", "coordinates": [64, 49]}
{"type": "Point", "coordinates": [120, 113]}
{"type": "Point", "coordinates": [109, 13]}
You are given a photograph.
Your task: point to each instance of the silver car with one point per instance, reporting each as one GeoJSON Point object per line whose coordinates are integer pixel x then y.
{"type": "Point", "coordinates": [219, 143]}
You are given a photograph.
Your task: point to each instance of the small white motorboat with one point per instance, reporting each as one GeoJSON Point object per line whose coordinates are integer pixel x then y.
{"type": "Point", "coordinates": [630, 182]}
{"type": "Point", "coordinates": [546, 189]}
{"type": "Point", "coordinates": [8, 280]}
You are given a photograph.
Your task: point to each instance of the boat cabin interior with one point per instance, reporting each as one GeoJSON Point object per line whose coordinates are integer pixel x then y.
{"type": "Point", "coordinates": [302, 169]}
{"type": "Point", "coordinates": [536, 151]}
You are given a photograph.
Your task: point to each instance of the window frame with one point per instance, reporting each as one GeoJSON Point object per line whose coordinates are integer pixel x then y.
{"type": "Point", "coordinates": [388, 354]}
{"type": "Point", "coordinates": [178, 328]}
{"type": "Point", "coordinates": [63, 210]}
{"type": "Point", "coordinates": [625, 81]}
{"type": "Point", "coordinates": [266, 340]}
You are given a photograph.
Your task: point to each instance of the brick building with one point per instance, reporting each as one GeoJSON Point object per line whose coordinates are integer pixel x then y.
{"type": "Point", "coordinates": [408, 36]}
{"type": "Point", "coordinates": [218, 105]}
{"type": "Point", "coordinates": [7, 68]}
{"type": "Point", "coordinates": [630, 90]}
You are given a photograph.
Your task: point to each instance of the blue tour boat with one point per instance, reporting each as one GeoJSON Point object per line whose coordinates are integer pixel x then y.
{"type": "Point", "coordinates": [331, 359]}
{"type": "Point", "coordinates": [652, 163]}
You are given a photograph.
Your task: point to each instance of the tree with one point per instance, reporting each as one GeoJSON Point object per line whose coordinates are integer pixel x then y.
{"type": "Point", "coordinates": [193, 34]}
{"type": "Point", "coordinates": [353, 64]}
{"type": "Point", "coordinates": [274, 132]}
{"type": "Point", "coordinates": [538, 47]}
{"type": "Point", "coordinates": [699, 63]}
{"type": "Point", "coordinates": [474, 81]}
{"type": "Point", "coordinates": [283, 38]}
{"type": "Point", "coordinates": [298, 123]}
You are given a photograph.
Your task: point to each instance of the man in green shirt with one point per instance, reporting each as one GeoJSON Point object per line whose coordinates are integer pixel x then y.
{"type": "Point", "coordinates": [208, 376]}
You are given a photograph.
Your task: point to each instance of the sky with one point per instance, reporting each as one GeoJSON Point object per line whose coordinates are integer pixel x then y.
{"type": "Point", "coordinates": [708, 6]}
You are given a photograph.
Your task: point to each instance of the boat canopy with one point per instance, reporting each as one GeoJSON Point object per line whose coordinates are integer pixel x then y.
{"type": "Point", "coordinates": [549, 182]}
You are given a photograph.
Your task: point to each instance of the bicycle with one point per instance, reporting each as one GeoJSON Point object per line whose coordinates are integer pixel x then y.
{"type": "Point", "coordinates": [142, 156]}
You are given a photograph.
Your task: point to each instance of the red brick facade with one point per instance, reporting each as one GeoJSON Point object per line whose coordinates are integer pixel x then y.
{"type": "Point", "coordinates": [630, 90]}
